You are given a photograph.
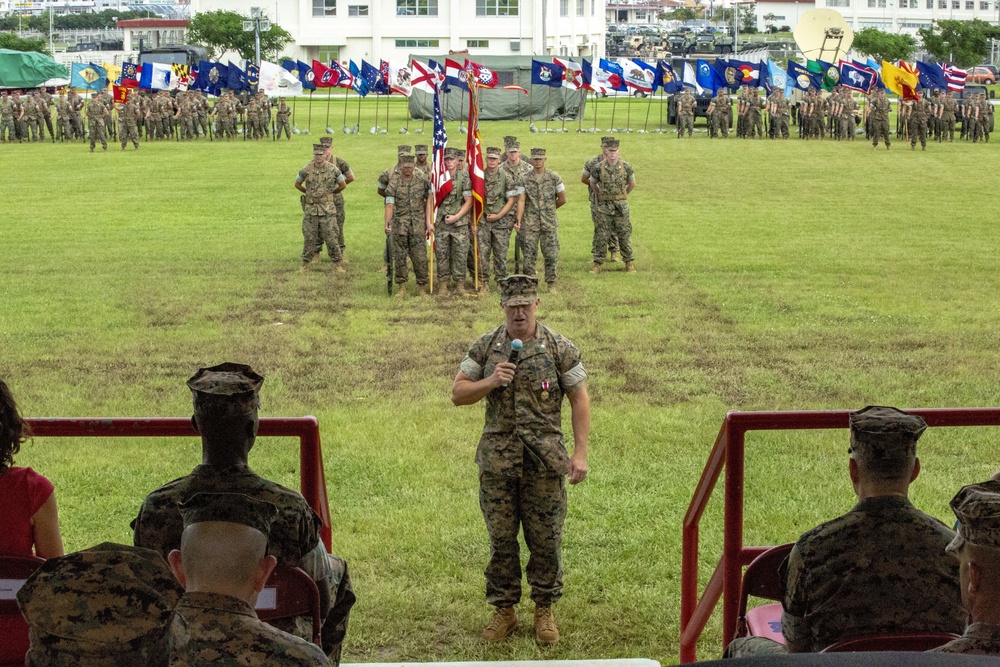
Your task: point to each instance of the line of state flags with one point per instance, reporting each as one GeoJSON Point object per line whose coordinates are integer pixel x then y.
{"type": "Point", "coordinates": [293, 77]}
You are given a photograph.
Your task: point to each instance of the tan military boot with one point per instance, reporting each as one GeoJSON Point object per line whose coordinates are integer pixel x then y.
{"type": "Point", "coordinates": [421, 290]}
{"type": "Point", "coordinates": [614, 256]}
{"type": "Point", "coordinates": [338, 267]}
{"type": "Point", "coordinates": [459, 289]}
{"type": "Point", "coordinates": [443, 289]}
{"type": "Point", "coordinates": [629, 267]}
{"type": "Point", "coordinates": [545, 625]}
{"type": "Point", "coordinates": [401, 292]}
{"type": "Point", "coordinates": [304, 267]}
{"type": "Point", "coordinates": [596, 269]}
{"type": "Point", "coordinates": [501, 626]}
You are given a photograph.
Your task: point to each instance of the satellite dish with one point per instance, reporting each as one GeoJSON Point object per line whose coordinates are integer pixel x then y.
{"type": "Point", "coordinates": [823, 34]}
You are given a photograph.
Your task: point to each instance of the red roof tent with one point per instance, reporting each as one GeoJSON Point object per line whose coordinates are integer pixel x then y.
{"type": "Point", "coordinates": [152, 23]}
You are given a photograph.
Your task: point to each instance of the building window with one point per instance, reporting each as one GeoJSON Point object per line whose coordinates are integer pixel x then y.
{"type": "Point", "coordinates": [842, 3]}
{"type": "Point", "coordinates": [930, 4]}
{"type": "Point", "coordinates": [970, 4]}
{"type": "Point", "coordinates": [984, 6]}
{"type": "Point", "coordinates": [593, 7]}
{"type": "Point", "coordinates": [563, 7]}
{"type": "Point", "coordinates": [579, 7]}
{"type": "Point", "coordinates": [640, 15]}
{"type": "Point", "coordinates": [328, 54]}
{"type": "Point", "coordinates": [942, 4]}
{"type": "Point", "coordinates": [324, 7]}
{"type": "Point", "coordinates": [477, 43]}
{"type": "Point", "coordinates": [416, 7]}
{"type": "Point", "coordinates": [496, 7]}
{"type": "Point", "coordinates": [357, 10]}
{"type": "Point", "coordinates": [417, 43]}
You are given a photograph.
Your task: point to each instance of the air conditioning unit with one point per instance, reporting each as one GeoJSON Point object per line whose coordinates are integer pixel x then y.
{"type": "Point", "coordinates": [515, 45]}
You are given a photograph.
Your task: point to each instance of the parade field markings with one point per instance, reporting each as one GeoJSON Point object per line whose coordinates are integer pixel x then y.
{"type": "Point", "coordinates": [771, 275]}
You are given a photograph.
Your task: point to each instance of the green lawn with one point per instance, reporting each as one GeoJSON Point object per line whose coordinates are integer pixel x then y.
{"type": "Point", "coordinates": [771, 276]}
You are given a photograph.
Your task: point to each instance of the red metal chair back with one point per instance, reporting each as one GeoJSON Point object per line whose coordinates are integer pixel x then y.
{"type": "Point", "coordinates": [762, 579]}
{"type": "Point", "coordinates": [289, 592]}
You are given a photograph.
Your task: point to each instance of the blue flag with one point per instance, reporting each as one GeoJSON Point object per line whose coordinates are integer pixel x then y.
{"type": "Point", "coordinates": [372, 77]}
{"type": "Point", "coordinates": [615, 74]}
{"type": "Point", "coordinates": [253, 75]}
{"type": "Point", "coordinates": [212, 77]}
{"type": "Point", "coordinates": [649, 76]}
{"type": "Point", "coordinates": [707, 77]}
{"type": "Point", "coordinates": [856, 78]}
{"type": "Point", "coordinates": [666, 78]}
{"type": "Point", "coordinates": [726, 75]}
{"type": "Point", "coordinates": [306, 76]}
{"type": "Point", "coordinates": [802, 79]}
{"type": "Point", "coordinates": [88, 76]}
{"type": "Point", "coordinates": [291, 66]}
{"type": "Point", "coordinates": [358, 83]}
{"type": "Point", "coordinates": [778, 77]}
{"type": "Point", "coordinates": [236, 79]}
{"type": "Point", "coordinates": [748, 74]}
{"type": "Point", "coordinates": [547, 74]}
{"type": "Point", "coordinates": [931, 76]}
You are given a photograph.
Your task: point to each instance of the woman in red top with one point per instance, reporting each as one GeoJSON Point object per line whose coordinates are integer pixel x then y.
{"type": "Point", "coordinates": [29, 521]}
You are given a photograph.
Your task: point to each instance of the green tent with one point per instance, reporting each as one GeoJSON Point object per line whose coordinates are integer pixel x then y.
{"type": "Point", "coordinates": [28, 69]}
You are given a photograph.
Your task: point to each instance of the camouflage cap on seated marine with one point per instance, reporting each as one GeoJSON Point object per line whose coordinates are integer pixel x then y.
{"type": "Point", "coordinates": [420, 149]}
{"type": "Point", "coordinates": [518, 290]}
{"type": "Point", "coordinates": [977, 508]}
{"type": "Point", "coordinates": [879, 432]}
{"type": "Point", "coordinates": [609, 142]}
{"type": "Point", "coordinates": [229, 508]}
{"type": "Point", "coordinates": [537, 152]}
{"type": "Point", "coordinates": [228, 382]}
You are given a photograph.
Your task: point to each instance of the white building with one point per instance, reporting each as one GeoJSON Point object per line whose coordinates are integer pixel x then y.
{"type": "Point", "coordinates": [394, 29]}
{"type": "Point", "coordinates": [888, 15]}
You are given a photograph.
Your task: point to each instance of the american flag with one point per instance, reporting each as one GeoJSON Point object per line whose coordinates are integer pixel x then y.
{"type": "Point", "coordinates": [954, 76]}
{"type": "Point", "coordinates": [440, 176]}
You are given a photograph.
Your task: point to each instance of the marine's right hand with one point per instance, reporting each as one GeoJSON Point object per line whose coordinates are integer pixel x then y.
{"type": "Point", "coordinates": [503, 374]}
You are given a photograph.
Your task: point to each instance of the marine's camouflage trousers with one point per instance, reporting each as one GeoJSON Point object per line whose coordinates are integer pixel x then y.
{"type": "Point", "coordinates": [948, 128]}
{"type": "Point", "coordinates": [97, 134]}
{"type": "Point", "coordinates": [685, 122]}
{"type": "Point", "coordinates": [612, 237]}
{"type": "Point", "coordinates": [536, 503]}
{"type": "Point", "coordinates": [845, 127]}
{"type": "Point", "coordinates": [918, 131]}
{"type": "Point", "coordinates": [451, 252]}
{"type": "Point", "coordinates": [720, 124]}
{"type": "Point", "coordinates": [494, 242]}
{"type": "Point", "coordinates": [612, 219]}
{"type": "Point", "coordinates": [7, 131]}
{"type": "Point", "coordinates": [342, 598]}
{"type": "Point", "coordinates": [532, 237]}
{"type": "Point", "coordinates": [64, 130]}
{"type": "Point", "coordinates": [412, 244]}
{"type": "Point", "coordinates": [317, 230]}
{"type": "Point", "coordinates": [283, 126]}
{"type": "Point", "coordinates": [748, 647]}
{"type": "Point", "coordinates": [338, 201]}
{"type": "Point", "coordinates": [755, 126]}
{"type": "Point", "coordinates": [128, 132]}
{"type": "Point", "coordinates": [779, 127]}
{"type": "Point", "coordinates": [880, 130]}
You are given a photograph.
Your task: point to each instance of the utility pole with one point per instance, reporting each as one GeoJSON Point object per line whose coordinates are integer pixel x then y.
{"type": "Point", "coordinates": [257, 24]}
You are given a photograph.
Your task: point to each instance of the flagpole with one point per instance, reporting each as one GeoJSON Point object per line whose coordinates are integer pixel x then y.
{"type": "Point", "coordinates": [294, 100]}
{"type": "Point", "coordinates": [579, 113]}
{"type": "Point", "coordinates": [562, 92]}
{"type": "Point", "coordinates": [548, 103]}
{"type": "Point", "coordinates": [309, 117]}
{"type": "Point", "coordinates": [614, 103]}
{"type": "Point", "coordinates": [346, 95]}
{"type": "Point", "coordinates": [531, 94]}
{"type": "Point", "coordinates": [474, 100]}
{"type": "Point", "coordinates": [660, 124]}
{"type": "Point", "coordinates": [461, 109]}
{"type": "Point", "coordinates": [595, 111]}
{"type": "Point", "coordinates": [628, 111]}
{"type": "Point", "coordinates": [375, 129]}
{"type": "Point", "coordinates": [329, 96]}
{"type": "Point", "coordinates": [358, 124]}
{"type": "Point", "coordinates": [649, 104]}
{"type": "Point", "coordinates": [387, 111]}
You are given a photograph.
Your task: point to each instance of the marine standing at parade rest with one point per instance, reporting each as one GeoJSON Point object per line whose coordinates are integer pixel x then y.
{"type": "Point", "coordinates": [408, 211]}
{"type": "Point", "coordinates": [721, 112]}
{"type": "Point", "coordinates": [451, 228]}
{"type": "Point", "coordinates": [544, 194]}
{"type": "Point", "coordinates": [7, 131]}
{"type": "Point", "coordinates": [518, 169]}
{"type": "Point", "coordinates": [878, 115]}
{"type": "Point", "coordinates": [611, 180]}
{"type": "Point", "coordinates": [96, 114]}
{"type": "Point", "coordinates": [591, 166]}
{"type": "Point", "coordinates": [283, 114]}
{"type": "Point", "coordinates": [319, 181]}
{"type": "Point", "coordinates": [495, 226]}
{"type": "Point", "coordinates": [916, 114]}
{"type": "Point", "coordinates": [223, 565]}
{"type": "Point", "coordinates": [420, 150]}
{"type": "Point", "coordinates": [338, 199]}
{"type": "Point", "coordinates": [778, 109]}
{"type": "Point", "coordinates": [686, 105]}
{"type": "Point", "coordinates": [522, 459]}
{"type": "Point", "coordinates": [128, 119]}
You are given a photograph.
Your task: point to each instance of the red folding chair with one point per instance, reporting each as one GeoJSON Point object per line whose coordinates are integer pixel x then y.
{"type": "Point", "coordinates": [289, 592]}
{"type": "Point", "coordinates": [762, 579]}
{"type": "Point", "coordinates": [916, 641]}
{"type": "Point", "coordinates": [14, 571]}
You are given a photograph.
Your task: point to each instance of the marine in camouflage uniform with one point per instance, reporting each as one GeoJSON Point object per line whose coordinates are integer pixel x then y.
{"type": "Point", "coordinates": [229, 393]}
{"type": "Point", "coordinates": [518, 169]}
{"type": "Point", "coordinates": [611, 179]}
{"type": "Point", "coordinates": [878, 114]}
{"type": "Point", "coordinates": [283, 114]}
{"type": "Point", "coordinates": [128, 122]}
{"type": "Point", "coordinates": [544, 193]}
{"type": "Point", "coordinates": [495, 226]}
{"type": "Point", "coordinates": [882, 567]}
{"type": "Point", "coordinates": [721, 113]}
{"type": "Point", "coordinates": [75, 106]}
{"type": "Point", "coordinates": [7, 131]}
{"type": "Point", "coordinates": [686, 105]}
{"type": "Point", "coordinates": [106, 606]}
{"type": "Point", "coordinates": [29, 120]}
{"type": "Point", "coordinates": [977, 547]}
{"type": "Point", "coordinates": [407, 222]}
{"type": "Point", "coordinates": [778, 108]}
{"type": "Point", "coordinates": [64, 129]}
{"type": "Point", "coordinates": [338, 198]}
{"type": "Point", "coordinates": [917, 114]}
{"type": "Point", "coordinates": [522, 460]}
{"type": "Point", "coordinates": [947, 117]}
{"type": "Point", "coordinates": [319, 181]}
{"type": "Point", "coordinates": [451, 229]}
{"type": "Point", "coordinates": [96, 114]}
{"type": "Point", "coordinates": [45, 107]}
{"type": "Point", "coordinates": [422, 165]}
{"type": "Point", "coordinates": [215, 623]}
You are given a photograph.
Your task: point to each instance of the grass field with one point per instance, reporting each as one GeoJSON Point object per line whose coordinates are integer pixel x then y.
{"type": "Point", "coordinates": [771, 275]}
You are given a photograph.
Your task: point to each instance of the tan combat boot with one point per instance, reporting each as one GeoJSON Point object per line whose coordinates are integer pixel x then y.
{"type": "Point", "coordinates": [459, 289]}
{"type": "Point", "coordinates": [304, 267]}
{"type": "Point", "coordinates": [629, 267]}
{"type": "Point", "coordinates": [614, 256]}
{"type": "Point", "coordinates": [338, 267]}
{"type": "Point", "coordinates": [596, 269]}
{"type": "Point", "coordinates": [501, 626]}
{"type": "Point", "coordinates": [421, 290]}
{"type": "Point", "coordinates": [545, 626]}
{"type": "Point", "coordinates": [401, 292]}
{"type": "Point", "coordinates": [443, 289]}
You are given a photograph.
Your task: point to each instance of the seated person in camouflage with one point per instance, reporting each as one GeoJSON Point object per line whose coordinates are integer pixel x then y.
{"type": "Point", "coordinates": [879, 569]}
{"type": "Point", "coordinates": [225, 414]}
{"type": "Point", "coordinates": [223, 565]}
{"type": "Point", "coordinates": [106, 606]}
{"type": "Point", "coordinates": [977, 547]}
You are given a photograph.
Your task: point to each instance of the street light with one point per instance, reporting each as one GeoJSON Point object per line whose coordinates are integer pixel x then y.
{"type": "Point", "coordinates": [257, 24]}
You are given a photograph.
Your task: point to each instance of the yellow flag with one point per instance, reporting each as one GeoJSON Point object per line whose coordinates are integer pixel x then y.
{"type": "Point", "coordinates": [898, 80]}
{"type": "Point", "coordinates": [114, 74]}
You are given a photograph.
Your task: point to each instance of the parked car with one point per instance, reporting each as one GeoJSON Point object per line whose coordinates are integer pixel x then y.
{"type": "Point", "coordinates": [981, 74]}
{"type": "Point", "coordinates": [83, 46]}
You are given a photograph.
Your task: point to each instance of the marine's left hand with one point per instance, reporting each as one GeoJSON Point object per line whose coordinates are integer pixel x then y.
{"type": "Point", "coordinates": [577, 469]}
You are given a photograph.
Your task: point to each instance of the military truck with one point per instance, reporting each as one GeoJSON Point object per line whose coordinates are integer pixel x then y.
{"type": "Point", "coordinates": [714, 42]}
{"type": "Point", "coordinates": [681, 42]}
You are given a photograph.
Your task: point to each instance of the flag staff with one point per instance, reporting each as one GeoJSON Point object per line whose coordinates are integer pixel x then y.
{"type": "Point", "coordinates": [358, 124]}
{"type": "Point", "coordinates": [374, 129]}
{"type": "Point", "coordinates": [548, 105]}
{"type": "Point", "coordinates": [579, 113]}
{"type": "Point", "coordinates": [595, 111]}
{"type": "Point", "coordinates": [531, 95]}
{"type": "Point", "coordinates": [387, 110]}
{"type": "Point", "coordinates": [628, 111]}
{"type": "Point", "coordinates": [309, 116]}
{"type": "Point", "coordinates": [614, 103]}
{"type": "Point", "coordinates": [329, 96]}
{"type": "Point", "coordinates": [346, 91]}
{"type": "Point", "coordinates": [470, 163]}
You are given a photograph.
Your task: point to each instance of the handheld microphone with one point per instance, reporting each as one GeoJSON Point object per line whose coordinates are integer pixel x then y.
{"type": "Point", "coordinates": [515, 350]}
